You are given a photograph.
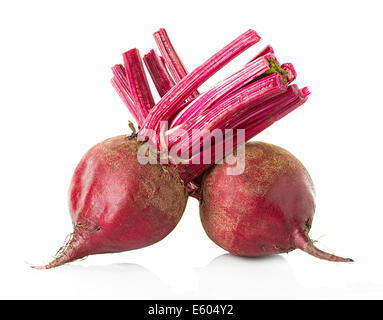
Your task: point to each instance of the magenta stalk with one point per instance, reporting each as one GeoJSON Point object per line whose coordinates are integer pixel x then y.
{"type": "Point", "coordinates": [138, 84]}
{"type": "Point", "coordinates": [171, 58]}
{"type": "Point", "coordinates": [171, 102]}
{"type": "Point", "coordinates": [158, 72]}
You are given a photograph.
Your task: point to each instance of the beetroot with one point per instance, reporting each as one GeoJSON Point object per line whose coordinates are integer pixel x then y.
{"type": "Point", "coordinates": [118, 204]}
{"type": "Point", "coordinates": [267, 209]}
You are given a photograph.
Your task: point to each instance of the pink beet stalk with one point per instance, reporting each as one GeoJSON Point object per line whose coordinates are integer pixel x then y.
{"type": "Point", "coordinates": [171, 58]}
{"type": "Point", "coordinates": [158, 72]}
{"type": "Point", "coordinates": [287, 68]}
{"type": "Point", "coordinates": [252, 98]}
{"type": "Point", "coordinates": [171, 102]}
{"type": "Point", "coordinates": [121, 85]}
{"type": "Point", "coordinates": [291, 74]}
{"type": "Point", "coordinates": [125, 96]}
{"type": "Point", "coordinates": [120, 75]}
{"type": "Point", "coordinates": [220, 115]}
{"type": "Point", "coordinates": [277, 108]}
{"type": "Point", "coordinates": [138, 84]}
{"type": "Point", "coordinates": [259, 111]}
{"type": "Point", "coordinates": [295, 98]}
{"type": "Point", "coordinates": [229, 85]}
{"type": "Point", "coordinates": [267, 50]}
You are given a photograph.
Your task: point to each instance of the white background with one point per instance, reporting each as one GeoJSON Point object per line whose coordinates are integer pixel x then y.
{"type": "Point", "coordinates": [56, 102]}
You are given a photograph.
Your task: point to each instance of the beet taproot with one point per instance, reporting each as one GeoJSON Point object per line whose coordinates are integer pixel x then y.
{"type": "Point", "coordinates": [117, 204]}
{"type": "Point", "coordinates": [268, 209]}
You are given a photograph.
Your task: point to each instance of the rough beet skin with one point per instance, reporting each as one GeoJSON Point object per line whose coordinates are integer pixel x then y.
{"type": "Point", "coordinates": [117, 204]}
{"type": "Point", "coordinates": [267, 209]}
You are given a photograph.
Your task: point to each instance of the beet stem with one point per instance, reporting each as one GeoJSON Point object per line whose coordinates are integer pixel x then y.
{"type": "Point", "coordinates": [162, 80]}
{"type": "Point", "coordinates": [303, 242]}
{"type": "Point", "coordinates": [224, 88]}
{"type": "Point", "coordinates": [224, 113]}
{"type": "Point", "coordinates": [171, 58]}
{"type": "Point", "coordinates": [121, 85]}
{"type": "Point", "coordinates": [171, 103]}
{"type": "Point", "coordinates": [267, 50]}
{"type": "Point", "coordinates": [269, 111]}
{"type": "Point", "coordinates": [138, 83]}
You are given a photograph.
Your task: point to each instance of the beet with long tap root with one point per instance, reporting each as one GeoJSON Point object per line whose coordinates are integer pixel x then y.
{"type": "Point", "coordinates": [118, 204]}
{"type": "Point", "coordinates": [268, 209]}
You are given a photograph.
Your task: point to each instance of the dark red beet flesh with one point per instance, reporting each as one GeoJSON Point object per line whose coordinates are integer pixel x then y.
{"type": "Point", "coordinates": [117, 204]}
{"type": "Point", "coordinates": [267, 209]}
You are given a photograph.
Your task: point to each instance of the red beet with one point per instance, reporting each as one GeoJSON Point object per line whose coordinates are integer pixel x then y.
{"type": "Point", "coordinates": [118, 204]}
{"type": "Point", "coordinates": [267, 209]}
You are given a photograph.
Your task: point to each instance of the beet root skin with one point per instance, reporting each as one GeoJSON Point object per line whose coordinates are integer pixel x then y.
{"type": "Point", "coordinates": [268, 209]}
{"type": "Point", "coordinates": [117, 204]}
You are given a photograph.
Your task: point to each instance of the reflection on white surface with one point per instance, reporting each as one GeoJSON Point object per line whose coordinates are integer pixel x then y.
{"type": "Point", "coordinates": [270, 277]}
{"type": "Point", "coordinates": [76, 281]}
{"type": "Point", "coordinates": [225, 277]}
{"type": "Point", "coordinates": [121, 281]}
{"type": "Point", "coordinates": [246, 277]}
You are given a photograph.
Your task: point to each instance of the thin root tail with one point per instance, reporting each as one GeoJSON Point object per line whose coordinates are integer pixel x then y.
{"type": "Point", "coordinates": [74, 248]}
{"type": "Point", "coordinates": [303, 242]}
